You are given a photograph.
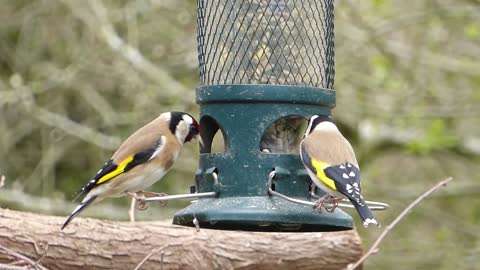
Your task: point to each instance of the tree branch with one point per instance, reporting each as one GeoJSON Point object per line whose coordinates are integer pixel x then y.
{"type": "Point", "coordinates": [375, 245]}
{"type": "Point", "coordinates": [95, 244]}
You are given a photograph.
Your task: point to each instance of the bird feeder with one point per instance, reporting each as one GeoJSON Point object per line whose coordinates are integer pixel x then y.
{"type": "Point", "coordinates": [265, 65]}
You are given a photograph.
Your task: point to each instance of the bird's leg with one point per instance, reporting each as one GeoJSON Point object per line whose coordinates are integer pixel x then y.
{"type": "Point", "coordinates": [139, 197]}
{"type": "Point", "coordinates": [319, 204]}
{"type": "Point", "coordinates": [334, 201]}
{"type": "Point", "coordinates": [131, 211]}
{"type": "Point", "coordinates": [154, 194]}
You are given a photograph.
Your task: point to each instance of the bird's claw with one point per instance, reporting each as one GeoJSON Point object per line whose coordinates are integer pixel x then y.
{"type": "Point", "coordinates": [154, 194]}
{"type": "Point", "coordinates": [162, 203]}
{"type": "Point", "coordinates": [320, 204]}
{"type": "Point", "coordinates": [334, 202]}
{"type": "Point", "coordinates": [139, 197]}
{"type": "Point", "coordinates": [141, 204]}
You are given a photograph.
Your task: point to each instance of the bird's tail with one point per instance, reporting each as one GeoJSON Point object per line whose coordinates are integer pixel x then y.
{"type": "Point", "coordinates": [78, 210]}
{"type": "Point", "coordinates": [364, 212]}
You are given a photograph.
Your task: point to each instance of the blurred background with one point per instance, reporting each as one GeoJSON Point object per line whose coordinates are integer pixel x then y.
{"type": "Point", "coordinates": [77, 77]}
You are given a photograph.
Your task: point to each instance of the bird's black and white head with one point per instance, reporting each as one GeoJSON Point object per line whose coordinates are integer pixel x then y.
{"type": "Point", "coordinates": [184, 126]}
{"type": "Point", "coordinates": [320, 123]}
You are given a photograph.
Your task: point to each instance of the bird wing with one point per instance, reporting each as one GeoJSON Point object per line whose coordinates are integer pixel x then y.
{"type": "Point", "coordinates": [346, 178]}
{"type": "Point", "coordinates": [316, 166]}
{"type": "Point", "coordinates": [306, 159]}
{"type": "Point", "coordinates": [111, 169]}
{"type": "Point", "coordinates": [330, 174]}
{"type": "Point", "coordinates": [330, 147]}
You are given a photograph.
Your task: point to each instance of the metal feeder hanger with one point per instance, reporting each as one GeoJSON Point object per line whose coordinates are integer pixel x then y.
{"type": "Point", "coordinates": [264, 66]}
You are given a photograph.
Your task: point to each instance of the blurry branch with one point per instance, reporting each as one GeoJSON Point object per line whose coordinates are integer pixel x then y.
{"type": "Point", "coordinates": [74, 129]}
{"type": "Point", "coordinates": [371, 34]}
{"type": "Point", "coordinates": [106, 32]}
{"type": "Point", "coordinates": [98, 103]}
{"type": "Point", "coordinates": [42, 175]}
{"type": "Point", "coordinates": [101, 104]}
{"type": "Point", "coordinates": [23, 96]}
{"type": "Point", "coordinates": [463, 65]}
{"type": "Point", "coordinates": [371, 132]}
{"type": "Point", "coordinates": [14, 198]}
{"type": "Point", "coordinates": [472, 144]}
{"type": "Point", "coordinates": [2, 181]}
{"type": "Point", "coordinates": [56, 77]}
{"type": "Point", "coordinates": [389, 227]}
{"type": "Point", "coordinates": [16, 134]}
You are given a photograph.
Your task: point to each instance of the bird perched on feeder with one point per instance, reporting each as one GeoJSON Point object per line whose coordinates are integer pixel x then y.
{"type": "Point", "coordinates": [331, 164]}
{"type": "Point", "coordinates": [140, 161]}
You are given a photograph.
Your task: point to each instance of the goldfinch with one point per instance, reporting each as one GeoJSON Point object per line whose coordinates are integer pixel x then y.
{"type": "Point", "coordinates": [141, 160]}
{"type": "Point", "coordinates": [331, 164]}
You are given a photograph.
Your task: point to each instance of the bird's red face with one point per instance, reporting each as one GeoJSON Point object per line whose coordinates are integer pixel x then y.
{"type": "Point", "coordinates": [193, 131]}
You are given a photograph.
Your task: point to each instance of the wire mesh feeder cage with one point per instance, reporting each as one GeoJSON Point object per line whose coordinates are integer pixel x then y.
{"type": "Point", "coordinates": [264, 66]}
{"type": "Point", "coordinates": [266, 42]}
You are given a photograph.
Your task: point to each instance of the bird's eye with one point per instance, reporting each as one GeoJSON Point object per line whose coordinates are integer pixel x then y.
{"type": "Point", "coordinates": [193, 129]}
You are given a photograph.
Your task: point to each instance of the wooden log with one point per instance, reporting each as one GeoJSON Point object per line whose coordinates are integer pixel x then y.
{"type": "Point", "coordinates": [96, 244]}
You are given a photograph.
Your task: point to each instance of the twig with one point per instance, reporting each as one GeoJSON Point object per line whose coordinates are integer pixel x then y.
{"type": "Point", "coordinates": [155, 251]}
{"type": "Point", "coordinates": [388, 228]}
{"type": "Point", "coordinates": [131, 211]}
{"type": "Point", "coordinates": [11, 267]}
{"type": "Point", "coordinates": [2, 181]}
{"type": "Point", "coordinates": [21, 257]}
{"type": "Point", "coordinates": [44, 253]}
{"type": "Point", "coordinates": [196, 223]}
{"type": "Point", "coordinates": [161, 259]}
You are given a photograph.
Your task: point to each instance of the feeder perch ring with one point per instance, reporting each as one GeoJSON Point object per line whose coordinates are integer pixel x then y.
{"type": "Point", "coordinates": [181, 196]}
{"type": "Point", "coordinates": [374, 206]}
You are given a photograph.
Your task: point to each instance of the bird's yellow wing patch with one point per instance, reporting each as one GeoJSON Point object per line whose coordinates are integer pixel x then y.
{"type": "Point", "coordinates": [120, 169]}
{"type": "Point", "coordinates": [320, 167]}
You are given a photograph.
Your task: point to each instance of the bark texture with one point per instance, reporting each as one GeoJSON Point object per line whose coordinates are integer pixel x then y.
{"type": "Point", "coordinates": [95, 244]}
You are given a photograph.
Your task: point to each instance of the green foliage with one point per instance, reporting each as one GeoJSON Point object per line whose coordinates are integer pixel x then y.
{"type": "Point", "coordinates": [437, 137]}
{"type": "Point", "coordinates": [381, 67]}
{"type": "Point", "coordinates": [472, 31]}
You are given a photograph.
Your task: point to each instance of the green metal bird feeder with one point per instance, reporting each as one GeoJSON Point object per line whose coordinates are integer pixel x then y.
{"type": "Point", "coordinates": [264, 66]}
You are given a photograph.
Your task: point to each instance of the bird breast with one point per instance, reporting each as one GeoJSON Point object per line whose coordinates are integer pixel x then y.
{"type": "Point", "coordinates": [142, 182]}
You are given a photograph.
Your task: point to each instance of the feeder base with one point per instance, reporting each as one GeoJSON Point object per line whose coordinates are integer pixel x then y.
{"type": "Point", "coordinates": [260, 214]}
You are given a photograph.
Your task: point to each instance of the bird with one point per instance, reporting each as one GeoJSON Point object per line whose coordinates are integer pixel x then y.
{"type": "Point", "coordinates": [140, 161]}
{"type": "Point", "coordinates": [331, 164]}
